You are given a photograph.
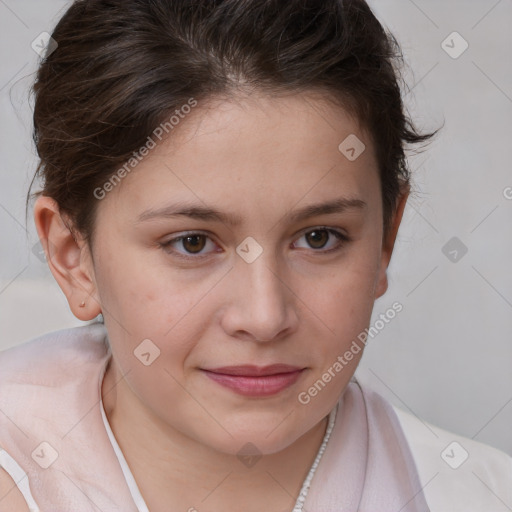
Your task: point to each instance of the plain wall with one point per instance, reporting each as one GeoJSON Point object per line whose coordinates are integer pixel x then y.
{"type": "Point", "coordinates": [447, 355]}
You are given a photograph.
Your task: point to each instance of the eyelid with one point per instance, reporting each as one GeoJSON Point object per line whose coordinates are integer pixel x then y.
{"type": "Point", "coordinates": [321, 227]}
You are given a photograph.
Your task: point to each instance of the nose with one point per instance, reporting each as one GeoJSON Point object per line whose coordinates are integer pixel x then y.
{"type": "Point", "coordinates": [261, 306]}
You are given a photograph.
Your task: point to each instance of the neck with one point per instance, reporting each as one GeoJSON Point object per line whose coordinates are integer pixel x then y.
{"type": "Point", "coordinates": [170, 467]}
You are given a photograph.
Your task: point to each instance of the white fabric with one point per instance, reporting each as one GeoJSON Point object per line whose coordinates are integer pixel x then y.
{"type": "Point", "coordinates": [483, 483]}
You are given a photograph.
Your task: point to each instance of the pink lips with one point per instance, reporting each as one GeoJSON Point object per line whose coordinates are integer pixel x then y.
{"type": "Point", "coordinates": [252, 380]}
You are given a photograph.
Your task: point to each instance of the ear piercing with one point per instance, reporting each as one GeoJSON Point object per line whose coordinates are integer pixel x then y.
{"type": "Point", "coordinates": [82, 304]}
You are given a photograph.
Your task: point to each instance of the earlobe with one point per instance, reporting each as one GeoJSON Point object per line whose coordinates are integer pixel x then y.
{"type": "Point", "coordinates": [389, 242]}
{"type": "Point", "coordinates": [68, 258]}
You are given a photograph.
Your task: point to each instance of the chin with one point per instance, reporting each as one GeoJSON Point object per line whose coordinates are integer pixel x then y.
{"type": "Point", "coordinates": [258, 436]}
{"type": "Point", "coordinates": [246, 446]}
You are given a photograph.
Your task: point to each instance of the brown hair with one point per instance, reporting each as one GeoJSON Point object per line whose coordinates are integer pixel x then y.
{"type": "Point", "coordinates": [122, 67]}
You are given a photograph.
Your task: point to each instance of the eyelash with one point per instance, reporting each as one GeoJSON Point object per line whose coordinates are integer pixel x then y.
{"type": "Point", "coordinates": [342, 240]}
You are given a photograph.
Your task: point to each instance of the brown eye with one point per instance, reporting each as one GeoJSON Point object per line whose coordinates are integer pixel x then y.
{"type": "Point", "coordinates": [318, 238]}
{"type": "Point", "coordinates": [194, 243]}
{"type": "Point", "coordinates": [190, 245]}
{"type": "Point", "coordinates": [323, 240]}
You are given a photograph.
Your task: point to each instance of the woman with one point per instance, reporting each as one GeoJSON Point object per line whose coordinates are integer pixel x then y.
{"type": "Point", "coordinates": [223, 184]}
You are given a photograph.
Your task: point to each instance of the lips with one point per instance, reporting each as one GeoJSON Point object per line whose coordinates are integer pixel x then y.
{"type": "Point", "coordinates": [255, 371]}
{"type": "Point", "coordinates": [255, 381]}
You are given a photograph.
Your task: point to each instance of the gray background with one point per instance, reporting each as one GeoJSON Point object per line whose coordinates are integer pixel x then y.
{"type": "Point", "coordinates": [447, 356]}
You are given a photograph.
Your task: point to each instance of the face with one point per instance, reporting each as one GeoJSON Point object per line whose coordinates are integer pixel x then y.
{"type": "Point", "coordinates": [256, 270]}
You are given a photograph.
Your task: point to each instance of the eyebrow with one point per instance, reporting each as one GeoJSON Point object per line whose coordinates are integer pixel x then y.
{"type": "Point", "coordinates": [200, 212]}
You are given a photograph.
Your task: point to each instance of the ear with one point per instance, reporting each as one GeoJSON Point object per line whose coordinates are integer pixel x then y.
{"type": "Point", "coordinates": [389, 242]}
{"type": "Point", "coordinates": [68, 257]}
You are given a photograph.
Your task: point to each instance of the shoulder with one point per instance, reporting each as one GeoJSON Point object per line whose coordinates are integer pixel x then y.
{"type": "Point", "coordinates": [458, 473]}
{"type": "Point", "coordinates": [11, 497]}
{"type": "Point", "coordinates": [54, 377]}
{"type": "Point", "coordinates": [65, 347]}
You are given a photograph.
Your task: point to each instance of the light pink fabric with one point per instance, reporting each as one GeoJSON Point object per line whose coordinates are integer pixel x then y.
{"type": "Point", "coordinates": [50, 392]}
{"type": "Point", "coordinates": [367, 466]}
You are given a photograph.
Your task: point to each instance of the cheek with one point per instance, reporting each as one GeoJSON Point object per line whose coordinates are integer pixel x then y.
{"type": "Point", "coordinates": [136, 290]}
{"type": "Point", "coordinates": [345, 296]}
{"type": "Point", "coordinates": [344, 303]}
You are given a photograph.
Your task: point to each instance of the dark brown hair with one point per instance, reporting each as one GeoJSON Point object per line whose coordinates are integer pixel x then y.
{"type": "Point", "coordinates": [122, 67]}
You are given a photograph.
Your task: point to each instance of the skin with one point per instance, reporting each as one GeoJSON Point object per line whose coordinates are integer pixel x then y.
{"type": "Point", "coordinates": [259, 158]}
{"type": "Point", "coordinates": [11, 499]}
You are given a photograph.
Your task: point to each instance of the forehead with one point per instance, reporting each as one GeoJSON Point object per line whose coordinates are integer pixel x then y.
{"type": "Point", "coordinates": [302, 125]}
{"type": "Point", "coordinates": [259, 148]}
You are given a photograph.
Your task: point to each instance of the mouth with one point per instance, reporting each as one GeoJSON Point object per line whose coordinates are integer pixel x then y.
{"type": "Point", "coordinates": [249, 380]}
